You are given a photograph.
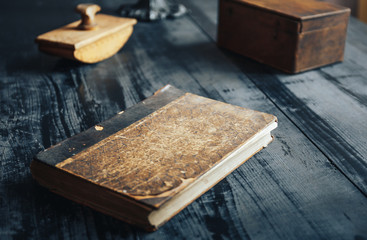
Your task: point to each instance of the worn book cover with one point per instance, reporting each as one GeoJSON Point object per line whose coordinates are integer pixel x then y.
{"type": "Point", "coordinates": [146, 164]}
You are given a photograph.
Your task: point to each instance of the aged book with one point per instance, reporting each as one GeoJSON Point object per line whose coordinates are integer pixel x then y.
{"type": "Point", "coordinates": [146, 164]}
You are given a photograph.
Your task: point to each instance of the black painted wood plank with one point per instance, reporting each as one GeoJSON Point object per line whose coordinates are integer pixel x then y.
{"type": "Point", "coordinates": [328, 104]}
{"type": "Point", "coordinates": [45, 99]}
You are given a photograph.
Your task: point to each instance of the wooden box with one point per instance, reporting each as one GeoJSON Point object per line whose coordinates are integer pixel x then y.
{"type": "Point", "coordinates": [293, 35]}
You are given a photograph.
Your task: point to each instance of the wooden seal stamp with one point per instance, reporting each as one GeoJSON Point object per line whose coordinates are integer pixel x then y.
{"type": "Point", "coordinates": [92, 39]}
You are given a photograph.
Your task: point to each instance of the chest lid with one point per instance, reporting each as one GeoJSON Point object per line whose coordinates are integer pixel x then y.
{"type": "Point", "coordinates": [310, 14]}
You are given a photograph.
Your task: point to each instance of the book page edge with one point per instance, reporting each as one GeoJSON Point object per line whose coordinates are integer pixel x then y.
{"type": "Point", "coordinates": [212, 177]}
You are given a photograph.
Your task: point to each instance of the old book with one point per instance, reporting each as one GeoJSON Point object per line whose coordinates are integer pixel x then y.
{"type": "Point", "coordinates": [146, 164]}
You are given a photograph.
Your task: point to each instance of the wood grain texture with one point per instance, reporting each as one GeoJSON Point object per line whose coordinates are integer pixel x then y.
{"type": "Point", "coordinates": [322, 47]}
{"type": "Point", "coordinates": [304, 181]}
{"type": "Point", "coordinates": [292, 45]}
{"type": "Point", "coordinates": [296, 9]}
{"type": "Point", "coordinates": [260, 35]}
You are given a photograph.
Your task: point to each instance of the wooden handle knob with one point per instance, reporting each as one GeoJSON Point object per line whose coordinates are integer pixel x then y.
{"type": "Point", "coordinates": [87, 11]}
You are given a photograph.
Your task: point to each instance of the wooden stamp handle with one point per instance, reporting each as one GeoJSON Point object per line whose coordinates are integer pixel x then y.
{"type": "Point", "coordinates": [87, 11]}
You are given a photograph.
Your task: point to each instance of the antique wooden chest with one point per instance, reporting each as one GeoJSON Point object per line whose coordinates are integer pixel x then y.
{"type": "Point", "coordinates": [293, 35]}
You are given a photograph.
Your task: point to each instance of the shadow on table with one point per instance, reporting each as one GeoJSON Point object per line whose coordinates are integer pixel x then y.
{"type": "Point", "coordinates": [35, 211]}
{"type": "Point", "coordinates": [39, 63]}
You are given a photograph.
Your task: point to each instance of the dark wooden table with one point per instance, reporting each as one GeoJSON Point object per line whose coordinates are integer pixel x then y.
{"type": "Point", "coordinates": [310, 183]}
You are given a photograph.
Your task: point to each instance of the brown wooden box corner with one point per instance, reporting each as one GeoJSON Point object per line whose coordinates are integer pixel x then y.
{"type": "Point", "coordinates": [291, 37]}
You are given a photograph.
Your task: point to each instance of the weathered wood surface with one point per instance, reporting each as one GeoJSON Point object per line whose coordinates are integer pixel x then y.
{"type": "Point", "coordinates": [310, 183]}
{"type": "Point", "coordinates": [327, 104]}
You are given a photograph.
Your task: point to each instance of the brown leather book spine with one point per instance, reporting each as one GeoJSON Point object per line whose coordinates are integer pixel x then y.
{"type": "Point", "coordinates": [93, 135]}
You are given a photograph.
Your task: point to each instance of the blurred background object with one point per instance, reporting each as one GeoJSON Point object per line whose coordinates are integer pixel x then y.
{"type": "Point", "coordinates": [152, 10]}
{"type": "Point", "coordinates": [358, 7]}
{"type": "Point", "coordinates": [362, 10]}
